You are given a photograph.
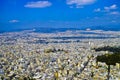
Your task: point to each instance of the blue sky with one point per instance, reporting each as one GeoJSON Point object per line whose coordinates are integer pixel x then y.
{"type": "Point", "coordinates": [58, 13]}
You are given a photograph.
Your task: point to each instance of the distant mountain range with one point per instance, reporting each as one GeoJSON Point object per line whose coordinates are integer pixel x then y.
{"type": "Point", "coordinates": [50, 30]}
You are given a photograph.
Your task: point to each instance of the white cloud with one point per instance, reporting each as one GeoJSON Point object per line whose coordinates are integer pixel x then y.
{"type": "Point", "coordinates": [114, 13]}
{"type": "Point", "coordinates": [113, 21]}
{"type": "Point", "coordinates": [112, 10]}
{"type": "Point", "coordinates": [112, 7]}
{"type": "Point", "coordinates": [97, 10]}
{"type": "Point", "coordinates": [71, 7]}
{"type": "Point", "coordinates": [78, 6]}
{"type": "Point", "coordinates": [109, 10]}
{"type": "Point", "coordinates": [38, 4]}
{"type": "Point", "coordinates": [80, 2]}
{"type": "Point", "coordinates": [13, 21]}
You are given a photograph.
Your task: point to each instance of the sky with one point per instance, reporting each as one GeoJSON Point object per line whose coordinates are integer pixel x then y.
{"type": "Point", "coordinates": [22, 14]}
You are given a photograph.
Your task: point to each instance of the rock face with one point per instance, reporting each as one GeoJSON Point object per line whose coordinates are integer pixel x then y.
{"type": "Point", "coordinates": [60, 56]}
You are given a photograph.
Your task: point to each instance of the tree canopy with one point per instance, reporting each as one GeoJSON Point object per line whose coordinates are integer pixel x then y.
{"type": "Point", "coordinates": [108, 48]}
{"type": "Point", "coordinates": [109, 59]}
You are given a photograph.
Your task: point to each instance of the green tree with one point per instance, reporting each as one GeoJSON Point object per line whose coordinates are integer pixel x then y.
{"type": "Point", "coordinates": [109, 59]}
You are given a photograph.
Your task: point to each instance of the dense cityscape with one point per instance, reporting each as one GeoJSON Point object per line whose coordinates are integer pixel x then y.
{"type": "Point", "coordinates": [69, 55]}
